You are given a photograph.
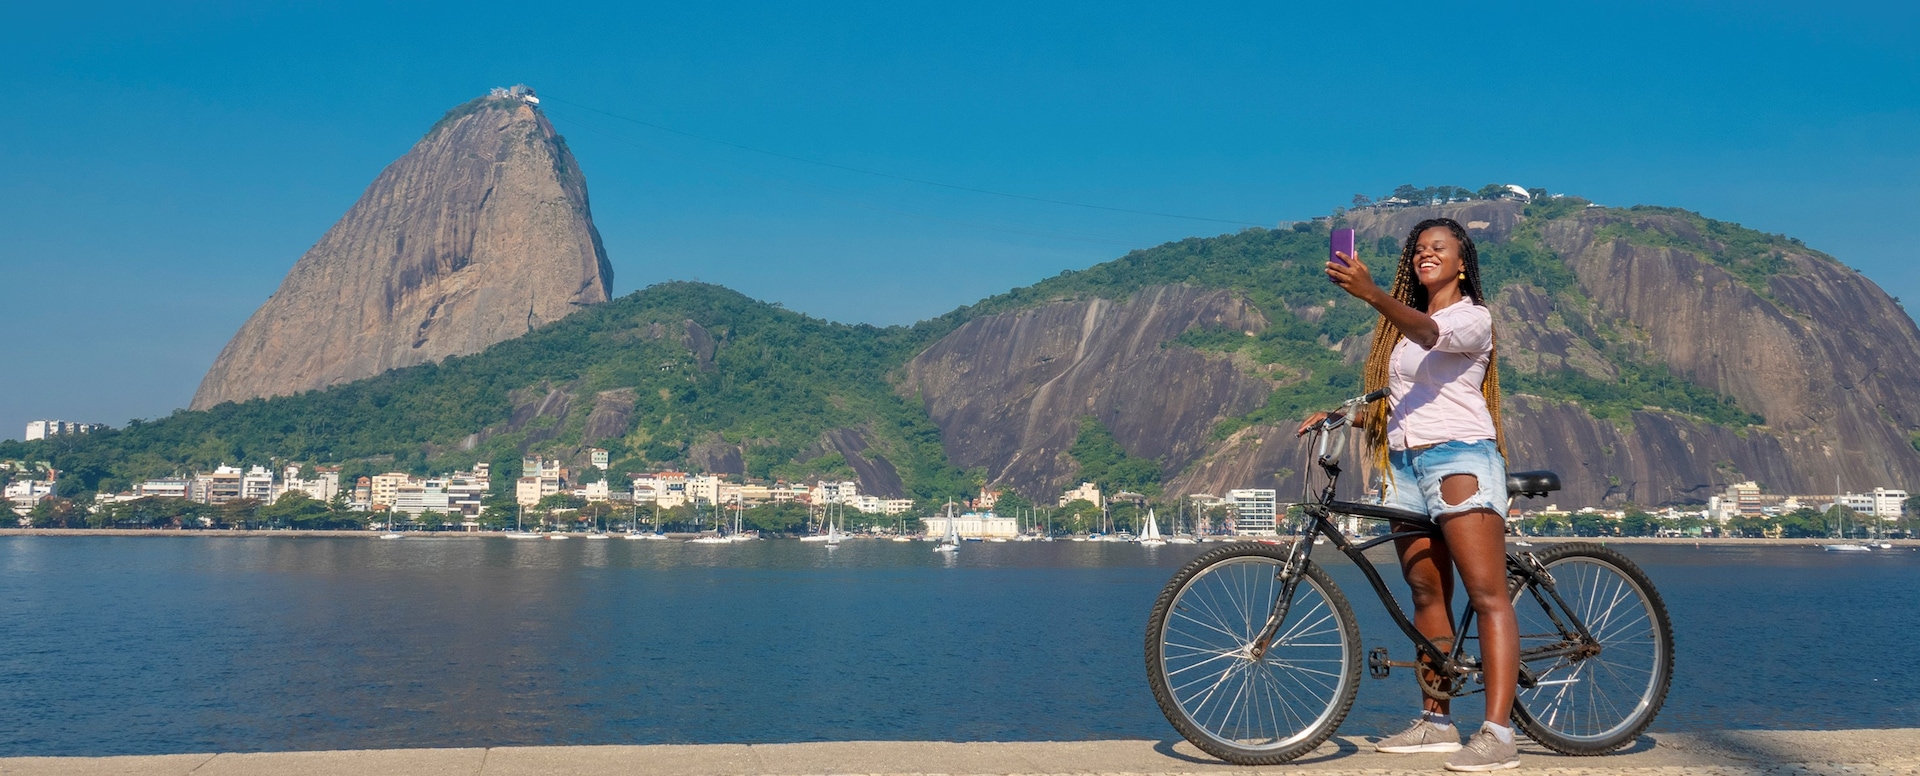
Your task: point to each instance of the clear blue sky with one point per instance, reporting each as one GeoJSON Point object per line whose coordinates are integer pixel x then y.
{"type": "Point", "coordinates": [164, 167]}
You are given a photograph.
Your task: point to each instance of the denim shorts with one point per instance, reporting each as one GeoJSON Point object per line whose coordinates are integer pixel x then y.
{"type": "Point", "coordinates": [1413, 481]}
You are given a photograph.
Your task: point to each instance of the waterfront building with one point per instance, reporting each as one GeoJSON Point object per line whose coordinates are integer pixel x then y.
{"type": "Point", "coordinates": [221, 486]}
{"type": "Point", "coordinates": [174, 487]}
{"type": "Point", "coordinates": [1086, 492]}
{"type": "Point", "coordinates": [972, 525]}
{"type": "Point", "coordinates": [665, 490]}
{"type": "Point", "coordinates": [324, 485]}
{"type": "Point", "coordinates": [841, 492]}
{"type": "Point", "coordinates": [539, 478]}
{"type": "Point", "coordinates": [418, 496]}
{"type": "Point", "coordinates": [1255, 510]}
{"type": "Point", "coordinates": [594, 491]}
{"type": "Point", "coordinates": [989, 498]}
{"type": "Point", "coordinates": [257, 484]}
{"type": "Point", "coordinates": [465, 491]}
{"type": "Point", "coordinates": [527, 491]}
{"type": "Point", "coordinates": [23, 495]}
{"type": "Point", "coordinates": [703, 489]}
{"type": "Point", "coordinates": [1887, 503]}
{"type": "Point", "coordinates": [386, 488]}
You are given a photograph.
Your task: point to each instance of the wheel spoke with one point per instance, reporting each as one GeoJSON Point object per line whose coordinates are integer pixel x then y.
{"type": "Point", "coordinates": [1591, 697]}
{"type": "Point", "coordinates": [1217, 686]}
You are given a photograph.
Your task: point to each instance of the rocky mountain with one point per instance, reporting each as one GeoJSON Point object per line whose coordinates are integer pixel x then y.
{"type": "Point", "coordinates": [1651, 355]}
{"type": "Point", "coordinates": [479, 234]}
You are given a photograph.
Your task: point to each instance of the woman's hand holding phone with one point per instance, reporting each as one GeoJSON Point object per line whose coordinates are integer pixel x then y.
{"type": "Point", "coordinates": [1350, 274]}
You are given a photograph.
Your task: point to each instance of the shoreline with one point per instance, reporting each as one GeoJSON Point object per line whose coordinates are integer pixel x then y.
{"type": "Point", "coordinates": [1718, 753]}
{"type": "Point", "coordinates": [212, 533]}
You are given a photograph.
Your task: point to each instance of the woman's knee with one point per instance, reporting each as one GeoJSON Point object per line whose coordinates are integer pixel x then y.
{"type": "Point", "coordinates": [1487, 603]}
{"type": "Point", "coordinates": [1426, 590]}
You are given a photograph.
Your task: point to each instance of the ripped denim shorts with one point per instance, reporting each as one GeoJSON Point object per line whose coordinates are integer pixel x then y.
{"type": "Point", "coordinates": [1413, 481]}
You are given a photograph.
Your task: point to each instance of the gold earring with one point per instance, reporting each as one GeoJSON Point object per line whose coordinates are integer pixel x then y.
{"type": "Point", "coordinates": [1463, 275]}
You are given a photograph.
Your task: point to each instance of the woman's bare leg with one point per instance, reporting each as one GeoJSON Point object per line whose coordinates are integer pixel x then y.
{"type": "Point", "coordinates": [1477, 544]}
{"type": "Point", "coordinates": [1429, 574]}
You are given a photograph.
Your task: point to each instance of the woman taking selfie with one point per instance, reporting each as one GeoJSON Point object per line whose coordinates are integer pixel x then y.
{"type": "Point", "coordinates": [1439, 438]}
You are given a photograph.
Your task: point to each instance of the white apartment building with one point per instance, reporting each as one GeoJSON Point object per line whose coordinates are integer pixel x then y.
{"type": "Point", "coordinates": [537, 466]}
{"type": "Point", "coordinates": [42, 429]}
{"type": "Point", "coordinates": [1887, 502]}
{"type": "Point", "coordinates": [1255, 510]}
{"type": "Point", "coordinates": [599, 458]}
{"type": "Point", "coordinates": [177, 487]}
{"type": "Point", "coordinates": [595, 491]}
{"type": "Point", "coordinates": [419, 496]}
{"type": "Point", "coordinates": [972, 525]}
{"type": "Point", "coordinates": [465, 491]}
{"type": "Point", "coordinates": [842, 492]}
{"type": "Point", "coordinates": [257, 484]}
{"type": "Point", "coordinates": [23, 495]}
{"type": "Point", "coordinates": [323, 487]}
{"type": "Point", "coordinates": [1086, 492]}
{"type": "Point", "coordinates": [665, 490]}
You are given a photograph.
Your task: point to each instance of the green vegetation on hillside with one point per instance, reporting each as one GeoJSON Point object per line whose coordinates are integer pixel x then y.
{"type": "Point", "coordinates": [769, 383]}
{"type": "Point", "coordinates": [776, 381]}
{"type": "Point", "coordinates": [1105, 463]}
{"type": "Point", "coordinates": [1749, 255]}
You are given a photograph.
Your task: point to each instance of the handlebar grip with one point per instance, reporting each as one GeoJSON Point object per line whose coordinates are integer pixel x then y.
{"type": "Point", "coordinates": [1375, 396]}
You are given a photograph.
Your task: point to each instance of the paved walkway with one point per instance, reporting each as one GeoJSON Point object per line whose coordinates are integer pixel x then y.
{"type": "Point", "coordinates": [1736, 753]}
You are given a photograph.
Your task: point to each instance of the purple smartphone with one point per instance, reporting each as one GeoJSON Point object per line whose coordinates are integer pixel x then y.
{"type": "Point", "coordinates": [1340, 242]}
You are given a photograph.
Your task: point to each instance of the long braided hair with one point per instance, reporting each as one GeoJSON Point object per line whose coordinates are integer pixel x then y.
{"type": "Point", "coordinates": [1407, 289]}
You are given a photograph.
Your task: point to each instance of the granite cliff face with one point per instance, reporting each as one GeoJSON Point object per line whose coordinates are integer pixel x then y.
{"type": "Point", "coordinates": [1008, 390]}
{"type": "Point", "coordinates": [1826, 357]}
{"type": "Point", "coordinates": [478, 234]}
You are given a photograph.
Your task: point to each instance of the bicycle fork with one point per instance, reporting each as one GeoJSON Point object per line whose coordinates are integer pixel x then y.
{"type": "Point", "coordinates": [1289, 581]}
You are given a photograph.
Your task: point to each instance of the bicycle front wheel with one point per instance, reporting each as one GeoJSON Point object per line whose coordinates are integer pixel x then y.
{"type": "Point", "coordinates": [1591, 695]}
{"type": "Point", "coordinates": [1240, 708]}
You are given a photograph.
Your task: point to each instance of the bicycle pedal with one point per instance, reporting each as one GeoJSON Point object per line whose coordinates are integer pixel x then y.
{"type": "Point", "coordinates": [1378, 666]}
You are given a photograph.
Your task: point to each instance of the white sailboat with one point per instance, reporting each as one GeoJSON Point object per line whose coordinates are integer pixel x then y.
{"type": "Point", "coordinates": [1150, 536]}
{"type": "Point", "coordinates": [950, 542]}
{"type": "Point", "coordinates": [833, 534]}
{"type": "Point", "coordinates": [519, 532]}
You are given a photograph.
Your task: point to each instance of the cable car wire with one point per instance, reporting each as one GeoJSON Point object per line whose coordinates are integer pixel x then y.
{"type": "Point", "coordinates": [908, 179]}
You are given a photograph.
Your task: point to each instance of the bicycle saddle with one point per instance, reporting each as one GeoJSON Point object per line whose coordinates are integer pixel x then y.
{"type": "Point", "coordinates": [1538, 483]}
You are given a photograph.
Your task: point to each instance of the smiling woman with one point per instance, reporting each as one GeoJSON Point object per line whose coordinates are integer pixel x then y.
{"type": "Point", "coordinates": [1439, 438]}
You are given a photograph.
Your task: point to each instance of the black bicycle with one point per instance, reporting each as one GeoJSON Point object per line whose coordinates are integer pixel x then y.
{"type": "Point", "coordinates": [1254, 654]}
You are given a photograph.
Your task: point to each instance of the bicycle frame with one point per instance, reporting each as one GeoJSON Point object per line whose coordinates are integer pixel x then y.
{"type": "Point", "coordinates": [1452, 663]}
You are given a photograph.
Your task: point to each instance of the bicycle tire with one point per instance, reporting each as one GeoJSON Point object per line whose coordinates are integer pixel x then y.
{"type": "Point", "coordinates": [1624, 612]}
{"type": "Point", "coordinates": [1194, 596]}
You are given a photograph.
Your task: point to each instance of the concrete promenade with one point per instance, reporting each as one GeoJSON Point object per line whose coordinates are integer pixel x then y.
{"type": "Point", "coordinates": [1729, 753]}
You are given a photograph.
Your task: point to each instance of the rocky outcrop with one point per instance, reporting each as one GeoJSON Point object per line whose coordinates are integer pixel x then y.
{"type": "Point", "coordinates": [478, 234]}
{"type": "Point", "coordinates": [1008, 390]}
{"type": "Point", "coordinates": [1830, 361]}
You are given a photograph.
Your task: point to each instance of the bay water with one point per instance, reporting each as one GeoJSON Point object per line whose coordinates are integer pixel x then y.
{"type": "Point", "coordinates": [143, 645]}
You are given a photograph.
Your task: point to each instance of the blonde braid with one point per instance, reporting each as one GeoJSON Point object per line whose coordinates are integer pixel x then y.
{"type": "Point", "coordinates": [1386, 336]}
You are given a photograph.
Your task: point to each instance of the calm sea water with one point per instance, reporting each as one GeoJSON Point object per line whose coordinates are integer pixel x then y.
{"type": "Point", "coordinates": [149, 645]}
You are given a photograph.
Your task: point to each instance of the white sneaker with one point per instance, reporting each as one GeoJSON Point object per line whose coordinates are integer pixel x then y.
{"type": "Point", "coordinates": [1422, 736]}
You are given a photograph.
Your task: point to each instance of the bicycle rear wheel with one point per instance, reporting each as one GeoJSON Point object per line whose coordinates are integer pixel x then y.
{"type": "Point", "coordinates": [1201, 667]}
{"type": "Point", "coordinates": [1591, 697]}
